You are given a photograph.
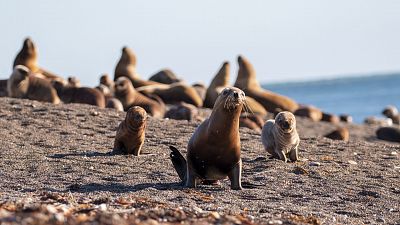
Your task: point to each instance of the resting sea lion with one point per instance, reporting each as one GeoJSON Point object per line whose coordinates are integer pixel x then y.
{"type": "Point", "coordinates": [83, 95]}
{"type": "Point", "coordinates": [280, 137]}
{"type": "Point", "coordinates": [341, 133]}
{"type": "Point", "coordinates": [126, 93]}
{"type": "Point", "coordinates": [310, 112]}
{"type": "Point", "coordinates": [131, 132]}
{"type": "Point", "coordinates": [389, 134]}
{"type": "Point", "coordinates": [372, 120]}
{"type": "Point", "coordinates": [346, 118]}
{"type": "Point", "coordinates": [200, 89]}
{"type": "Point", "coordinates": [391, 112]}
{"type": "Point", "coordinates": [165, 76]}
{"type": "Point", "coordinates": [331, 118]}
{"type": "Point", "coordinates": [108, 82]}
{"type": "Point", "coordinates": [272, 102]}
{"type": "Point", "coordinates": [126, 67]}
{"type": "Point", "coordinates": [22, 84]}
{"type": "Point", "coordinates": [182, 111]}
{"type": "Point", "coordinates": [214, 148]}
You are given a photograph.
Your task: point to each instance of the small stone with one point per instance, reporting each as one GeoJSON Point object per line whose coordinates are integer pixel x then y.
{"type": "Point", "coordinates": [275, 222]}
{"type": "Point", "coordinates": [94, 113]}
{"type": "Point", "coordinates": [91, 168]}
{"type": "Point", "coordinates": [197, 209]}
{"type": "Point", "coordinates": [355, 153]}
{"type": "Point", "coordinates": [215, 215]}
{"type": "Point", "coordinates": [393, 153]}
{"type": "Point", "coordinates": [380, 220]}
{"type": "Point", "coordinates": [352, 162]}
{"type": "Point", "coordinates": [103, 207]}
{"type": "Point", "coordinates": [315, 164]}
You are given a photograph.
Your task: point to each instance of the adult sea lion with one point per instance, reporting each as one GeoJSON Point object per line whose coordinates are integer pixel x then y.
{"type": "Point", "coordinates": [310, 112]}
{"type": "Point", "coordinates": [213, 151]}
{"type": "Point", "coordinates": [389, 134]}
{"type": "Point", "coordinates": [126, 93]}
{"type": "Point", "coordinates": [83, 95]}
{"type": "Point", "coordinates": [165, 76]}
{"type": "Point", "coordinates": [392, 112]}
{"type": "Point", "coordinates": [341, 133]}
{"type": "Point", "coordinates": [182, 111]}
{"type": "Point", "coordinates": [247, 81]}
{"type": "Point", "coordinates": [126, 67]}
{"type": "Point", "coordinates": [201, 89]}
{"type": "Point", "coordinates": [23, 84]}
{"type": "Point", "coordinates": [331, 118]}
{"type": "Point", "coordinates": [346, 118]}
{"type": "Point", "coordinates": [280, 138]}
{"type": "Point", "coordinates": [131, 132]}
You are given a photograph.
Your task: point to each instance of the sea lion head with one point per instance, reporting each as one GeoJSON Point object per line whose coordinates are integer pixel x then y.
{"type": "Point", "coordinates": [390, 111]}
{"type": "Point", "coordinates": [136, 117]}
{"type": "Point", "coordinates": [106, 80]}
{"type": "Point", "coordinates": [21, 72]}
{"type": "Point", "coordinates": [29, 46]}
{"type": "Point", "coordinates": [104, 89]}
{"type": "Point", "coordinates": [73, 82]}
{"type": "Point", "coordinates": [286, 121]}
{"type": "Point", "coordinates": [231, 99]}
{"type": "Point", "coordinates": [122, 85]}
{"type": "Point", "coordinates": [128, 56]}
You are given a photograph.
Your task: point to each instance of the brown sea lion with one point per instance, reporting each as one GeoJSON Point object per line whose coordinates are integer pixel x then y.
{"type": "Point", "coordinates": [114, 103]}
{"type": "Point", "coordinates": [174, 93]}
{"type": "Point", "coordinates": [346, 118]}
{"type": "Point", "coordinates": [108, 82]}
{"type": "Point", "coordinates": [256, 118]}
{"type": "Point", "coordinates": [200, 89]}
{"type": "Point", "coordinates": [372, 120]}
{"type": "Point", "coordinates": [83, 95]}
{"type": "Point", "coordinates": [247, 81]}
{"type": "Point", "coordinates": [3, 88]}
{"type": "Point", "coordinates": [165, 76]}
{"type": "Point", "coordinates": [182, 111]}
{"type": "Point", "coordinates": [126, 67]}
{"type": "Point", "coordinates": [392, 112]}
{"type": "Point", "coordinates": [389, 134]}
{"type": "Point", "coordinates": [28, 56]}
{"type": "Point", "coordinates": [310, 112]}
{"type": "Point", "coordinates": [74, 82]}
{"type": "Point", "coordinates": [22, 84]}
{"type": "Point", "coordinates": [280, 137]}
{"type": "Point", "coordinates": [220, 80]}
{"type": "Point", "coordinates": [213, 151]}
{"type": "Point", "coordinates": [126, 93]}
{"type": "Point", "coordinates": [246, 122]}
{"type": "Point", "coordinates": [331, 118]}
{"type": "Point", "coordinates": [131, 132]}
{"type": "Point", "coordinates": [341, 133]}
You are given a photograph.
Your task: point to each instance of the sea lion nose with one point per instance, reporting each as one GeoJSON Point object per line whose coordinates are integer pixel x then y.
{"type": "Point", "coordinates": [236, 95]}
{"type": "Point", "coordinates": [286, 125]}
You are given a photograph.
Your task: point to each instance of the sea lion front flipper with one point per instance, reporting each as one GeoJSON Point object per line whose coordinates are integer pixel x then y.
{"type": "Point", "coordinates": [179, 162]}
{"type": "Point", "coordinates": [293, 156]}
{"type": "Point", "coordinates": [235, 176]}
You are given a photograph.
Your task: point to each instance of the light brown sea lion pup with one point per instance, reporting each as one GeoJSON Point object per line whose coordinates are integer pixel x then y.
{"type": "Point", "coordinates": [165, 76]}
{"type": "Point", "coordinates": [213, 151]}
{"type": "Point", "coordinates": [174, 93]}
{"type": "Point", "coordinates": [310, 112]}
{"type": "Point", "coordinates": [28, 56]}
{"type": "Point", "coordinates": [247, 81]}
{"type": "Point", "coordinates": [22, 84]}
{"type": "Point", "coordinates": [389, 134]}
{"type": "Point", "coordinates": [280, 137]}
{"type": "Point", "coordinates": [331, 118]}
{"type": "Point", "coordinates": [126, 93]}
{"type": "Point", "coordinates": [391, 112]}
{"type": "Point", "coordinates": [341, 133]}
{"type": "Point", "coordinates": [131, 132]}
{"type": "Point", "coordinates": [83, 95]}
{"type": "Point", "coordinates": [126, 67]}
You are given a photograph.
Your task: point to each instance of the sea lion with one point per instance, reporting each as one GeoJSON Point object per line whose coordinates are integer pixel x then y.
{"type": "Point", "coordinates": [114, 103]}
{"type": "Point", "coordinates": [173, 93]}
{"type": "Point", "coordinates": [73, 82]}
{"type": "Point", "coordinates": [372, 120]}
{"type": "Point", "coordinates": [126, 93]}
{"type": "Point", "coordinates": [200, 89]}
{"type": "Point", "coordinates": [346, 118]}
{"type": "Point", "coordinates": [256, 118]}
{"type": "Point", "coordinates": [341, 133]}
{"type": "Point", "coordinates": [213, 151]}
{"type": "Point", "coordinates": [83, 95]}
{"type": "Point", "coordinates": [310, 112]}
{"type": "Point", "coordinates": [23, 84]}
{"type": "Point", "coordinates": [108, 82]}
{"type": "Point", "coordinates": [3, 88]}
{"type": "Point", "coordinates": [272, 102]}
{"type": "Point", "coordinates": [391, 112]}
{"type": "Point", "coordinates": [280, 138]}
{"type": "Point", "coordinates": [389, 134]}
{"type": "Point", "coordinates": [247, 122]}
{"type": "Point", "coordinates": [165, 76]}
{"type": "Point", "coordinates": [131, 132]}
{"type": "Point", "coordinates": [126, 67]}
{"type": "Point", "coordinates": [331, 118]}
{"type": "Point", "coordinates": [28, 56]}
{"type": "Point", "coordinates": [182, 111]}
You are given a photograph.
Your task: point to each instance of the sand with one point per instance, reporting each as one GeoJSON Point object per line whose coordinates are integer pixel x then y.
{"type": "Point", "coordinates": [56, 167]}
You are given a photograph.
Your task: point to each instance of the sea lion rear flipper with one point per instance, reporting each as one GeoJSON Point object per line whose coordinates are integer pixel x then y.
{"type": "Point", "coordinates": [179, 162]}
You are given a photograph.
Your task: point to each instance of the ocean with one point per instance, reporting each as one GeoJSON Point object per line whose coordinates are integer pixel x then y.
{"type": "Point", "coordinates": [359, 97]}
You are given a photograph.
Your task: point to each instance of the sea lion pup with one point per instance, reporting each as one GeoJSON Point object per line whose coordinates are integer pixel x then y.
{"type": "Point", "coordinates": [3, 88]}
{"type": "Point", "coordinates": [331, 118]}
{"type": "Point", "coordinates": [200, 89]}
{"type": "Point", "coordinates": [213, 151]}
{"type": "Point", "coordinates": [131, 132]}
{"type": "Point", "coordinates": [182, 111]}
{"type": "Point", "coordinates": [126, 67]}
{"type": "Point", "coordinates": [280, 138]}
{"type": "Point", "coordinates": [174, 93]}
{"type": "Point", "coordinates": [126, 93]}
{"type": "Point", "coordinates": [22, 84]}
{"type": "Point", "coordinates": [341, 133]}
{"type": "Point", "coordinates": [310, 112]}
{"type": "Point", "coordinates": [389, 134]}
{"type": "Point", "coordinates": [391, 112]}
{"type": "Point", "coordinates": [346, 118]}
{"type": "Point", "coordinates": [28, 56]}
{"type": "Point", "coordinates": [247, 81]}
{"type": "Point", "coordinates": [165, 76]}
{"type": "Point", "coordinates": [83, 95]}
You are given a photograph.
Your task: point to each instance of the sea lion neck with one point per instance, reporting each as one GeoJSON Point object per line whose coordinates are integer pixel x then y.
{"type": "Point", "coordinates": [223, 122]}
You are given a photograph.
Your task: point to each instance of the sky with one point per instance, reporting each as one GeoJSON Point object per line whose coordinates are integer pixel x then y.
{"type": "Point", "coordinates": [285, 40]}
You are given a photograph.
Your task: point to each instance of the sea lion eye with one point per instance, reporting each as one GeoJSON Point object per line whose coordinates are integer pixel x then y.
{"type": "Point", "coordinates": [225, 92]}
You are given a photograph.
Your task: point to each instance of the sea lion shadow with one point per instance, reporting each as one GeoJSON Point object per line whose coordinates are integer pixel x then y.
{"type": "Point", "coordinates": [123, 188]}
{"type": "Point", "coordinates": [83, 154]}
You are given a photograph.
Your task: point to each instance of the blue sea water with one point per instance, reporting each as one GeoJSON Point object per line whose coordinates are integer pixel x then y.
{"type": "Point", "coordinates": [359, 97]}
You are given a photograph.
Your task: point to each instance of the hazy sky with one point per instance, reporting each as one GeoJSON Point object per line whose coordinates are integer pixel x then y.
{"type": "Point", "coordinates": [285, 40]}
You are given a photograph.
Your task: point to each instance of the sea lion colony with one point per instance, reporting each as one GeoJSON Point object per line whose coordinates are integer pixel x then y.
{"type": "Point", "coordinates": [214, 149]}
